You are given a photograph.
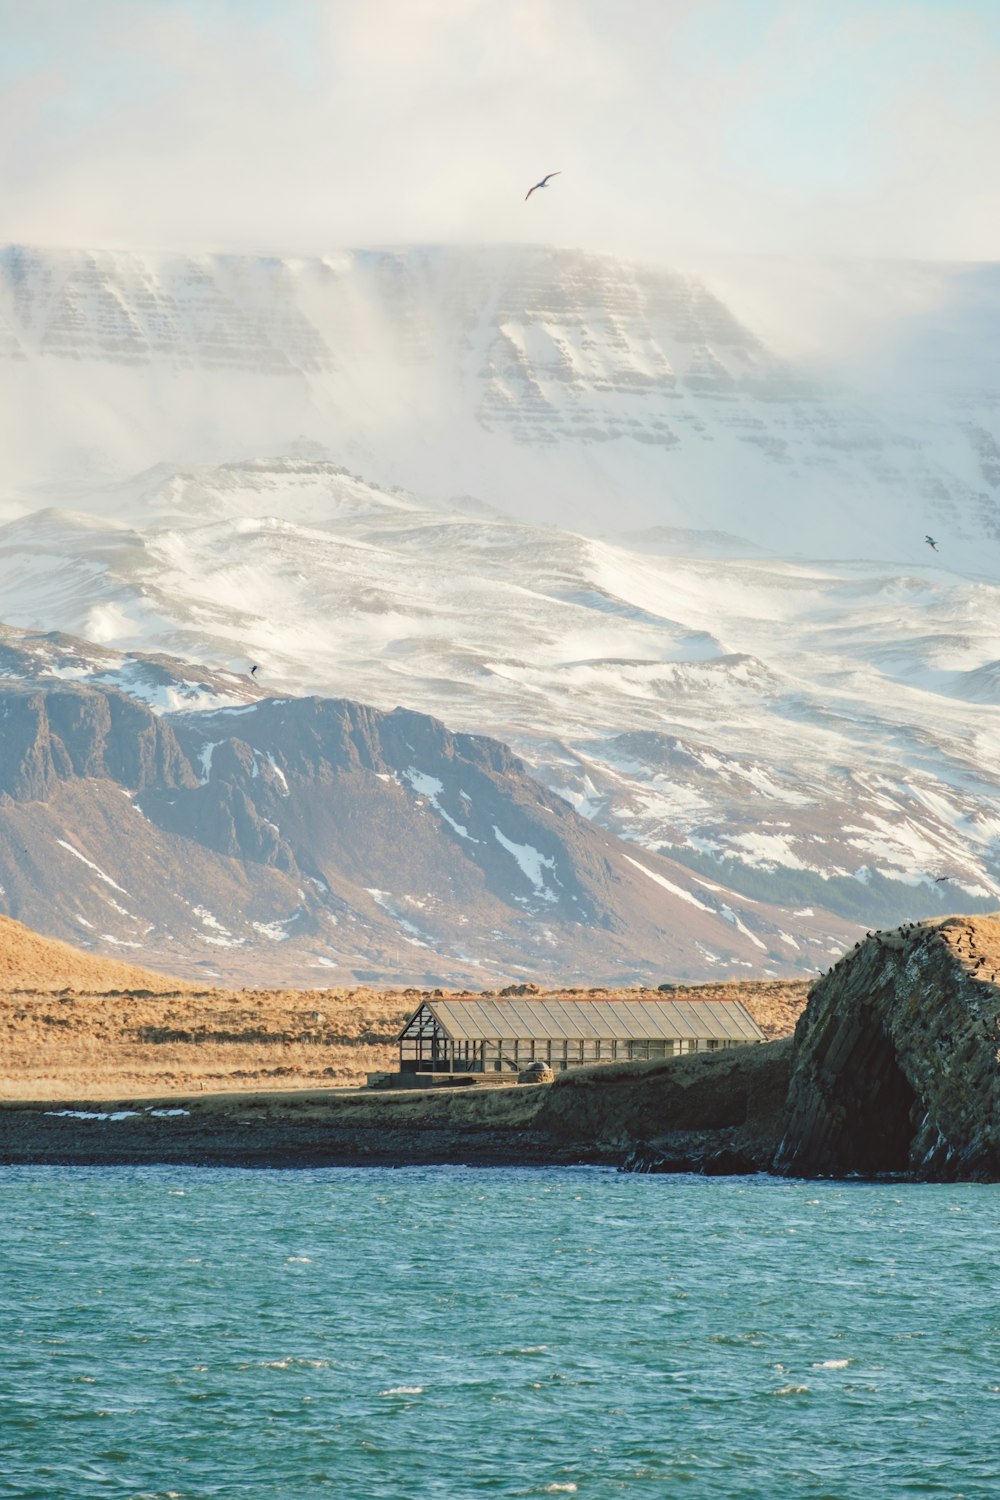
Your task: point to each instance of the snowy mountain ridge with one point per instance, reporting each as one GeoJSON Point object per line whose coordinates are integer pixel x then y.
{"type": "Point", "coordinates": [807, 728]}
{"type": "Point", "coordinates": [558, 385]}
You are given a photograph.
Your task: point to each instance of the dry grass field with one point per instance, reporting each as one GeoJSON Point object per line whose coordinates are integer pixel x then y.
{"type": "Point", "coordinates": [75, 1027]}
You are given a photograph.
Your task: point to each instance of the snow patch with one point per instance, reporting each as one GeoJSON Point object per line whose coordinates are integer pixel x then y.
{"type": "Point", "coordinates": [730, 916]}
{"type": "Point", "coordinates": [96, 868]}
{"type": "Point", "coordinates": [272, 930]}
{"type": "Point", "coordinates": [416, 939]}
{"type": "Point", "coordinates": [279, 773]}
{"type": "Point", "coordinates": [532, 863]}
{"type": "Point", "coordinates": [668, 885]}
{"type": "Point", "coordinates": [431, 788]}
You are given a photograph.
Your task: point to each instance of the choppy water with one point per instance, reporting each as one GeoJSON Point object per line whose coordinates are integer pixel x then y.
{"type": "Point", "coordinates": [451, 1332]}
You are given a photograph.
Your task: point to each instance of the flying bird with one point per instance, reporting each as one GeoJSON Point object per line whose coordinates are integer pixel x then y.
{"type": "Point", "coordinates": [931, 542]}
{"type": "Point", "coordinates": [544, 183]}
{"type": "Point", "coordinates": [938, 878]}
{"type": "Point", "coordinates": [253, 671]}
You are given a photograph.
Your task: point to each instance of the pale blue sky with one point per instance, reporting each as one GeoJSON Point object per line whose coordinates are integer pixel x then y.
{"type": "Point", "coordinates": [864, 127]}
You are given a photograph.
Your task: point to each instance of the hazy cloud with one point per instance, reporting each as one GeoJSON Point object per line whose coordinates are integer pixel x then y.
{"type": "Point", "coordinates": [864, 127]}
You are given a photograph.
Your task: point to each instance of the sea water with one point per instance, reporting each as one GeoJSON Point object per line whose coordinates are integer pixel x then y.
{"type": "Point", "coordinates": [176, 1332]}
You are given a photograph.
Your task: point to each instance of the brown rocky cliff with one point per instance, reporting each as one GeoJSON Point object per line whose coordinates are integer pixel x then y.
{"type": "Point", "coordinates": [895, 1062]}
{"type": "Point", "coordinates": [52, 734]}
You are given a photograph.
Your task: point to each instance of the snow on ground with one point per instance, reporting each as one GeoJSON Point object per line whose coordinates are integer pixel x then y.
{"type": "Point", "coordinates": [101, 874]}
{"type": "Point", "coordinates": [431, 788]}
{"type": "Point", "coordinates": [668, 885]}
{"type": "Point", "coordinates": [205, 758]}
{"type": "Point", "coordinates": [532, 863]}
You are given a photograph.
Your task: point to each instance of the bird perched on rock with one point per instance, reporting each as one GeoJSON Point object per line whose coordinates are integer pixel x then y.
{"type": "Point", "coordinates": [928, 539]}
{"type": "Point", "coordinates": [544, 183]}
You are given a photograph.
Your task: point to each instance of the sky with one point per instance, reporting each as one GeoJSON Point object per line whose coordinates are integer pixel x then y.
{"type": "Point", "coordinates": [863, 128]}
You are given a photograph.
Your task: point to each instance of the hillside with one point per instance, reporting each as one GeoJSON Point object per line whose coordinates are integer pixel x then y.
{"type": "Point", "coordinates": [41, 965]}
{"type": "Point", "coordinates": [301, 841]}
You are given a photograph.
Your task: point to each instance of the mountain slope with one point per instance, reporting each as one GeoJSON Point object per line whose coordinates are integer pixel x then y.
{"type": "Point", "coordinates": [29, 961]}
{"type": "Point", "coordinates": [816, 734]}
{"type": "Point", "coordinates": [288, 840]}
{"type": "Point", "coordinates": [555, 384]}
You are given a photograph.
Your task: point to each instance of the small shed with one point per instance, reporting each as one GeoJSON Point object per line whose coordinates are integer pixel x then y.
{"type": "Point", "coordinates": [496, 1036]}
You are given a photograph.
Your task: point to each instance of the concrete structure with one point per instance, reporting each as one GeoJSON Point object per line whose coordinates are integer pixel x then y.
{"type": "Point", "coordinates": [501, 1036]}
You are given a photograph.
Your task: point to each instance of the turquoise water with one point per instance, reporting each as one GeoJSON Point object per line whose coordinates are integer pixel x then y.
{"type": "Point", "coordinates": [451, 1332]}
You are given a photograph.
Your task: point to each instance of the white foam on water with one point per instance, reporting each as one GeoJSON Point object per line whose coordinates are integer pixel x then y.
{"type": "Point", "coordinates": [403, 1390]}
{"type": "Point", "coordinates": [831, 1364]}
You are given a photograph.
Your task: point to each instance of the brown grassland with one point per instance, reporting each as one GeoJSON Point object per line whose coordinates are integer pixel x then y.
{"type": "Point", "coordinates": [75, 1027]}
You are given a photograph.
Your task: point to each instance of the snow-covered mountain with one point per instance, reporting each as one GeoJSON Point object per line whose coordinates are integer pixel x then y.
{"type": "Point", "coordinates": [309, 840]}
{"type": "Point", "coordinates": [809, 731]}
{"type": "Point", "coordinates": [568, 388]}
{"type": "Point", "coordinates": [601, 519]}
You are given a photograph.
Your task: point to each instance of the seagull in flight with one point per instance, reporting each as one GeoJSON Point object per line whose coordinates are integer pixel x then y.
{"type": "Point", "coordinates": [931, 542]}
{"type": "Point", "coordinates": [938, 878]}
{"type": "Point", "coordinates": [544, 183]}
{"type": "Point", "coordinates": [253, 671]}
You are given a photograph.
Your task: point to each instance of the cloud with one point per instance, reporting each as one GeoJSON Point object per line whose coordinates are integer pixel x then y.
{"type": "Point", "coordinates": [765, 126]}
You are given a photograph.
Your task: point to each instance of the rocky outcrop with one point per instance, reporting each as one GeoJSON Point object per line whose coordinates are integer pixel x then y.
{"type": "Point", "coordinates": [895, 1060]}
{"type": "Point", "coordinates": [52, 734]}
{"type": "Point", "coordinates": [893, 1069]}
{"type": "Point", "coordinates": [714, 1112]}
{"type": "Point", "coordinates": [536, 1072]}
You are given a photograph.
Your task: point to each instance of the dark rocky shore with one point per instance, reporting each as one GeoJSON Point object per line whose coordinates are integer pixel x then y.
{"type": "Point", "coordinates": [729, 1102]}
{"type": "Point", "coordinates": [892, 1070]}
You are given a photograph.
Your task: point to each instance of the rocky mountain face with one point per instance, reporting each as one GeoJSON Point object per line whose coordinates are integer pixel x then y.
{"type": "Point", "coordinates": [297, 840]}
{"type": "Point", "coordinates": [572, 388]}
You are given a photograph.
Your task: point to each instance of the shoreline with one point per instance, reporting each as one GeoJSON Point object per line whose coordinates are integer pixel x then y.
{"type": "Point", "coordinates": [724, 1110]}
{"type": "Point", "coordinates": [306, 1132]}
